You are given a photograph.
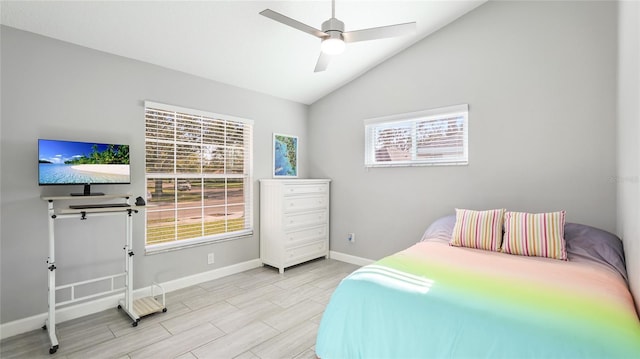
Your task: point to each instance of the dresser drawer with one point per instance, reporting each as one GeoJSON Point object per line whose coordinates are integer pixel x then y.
{"type": "Point", "coordinates": [307, 219]}
{"type": "Point", "coordinates": [297, 238]}
{"type": "Point", "coordinates": [315, 249]}
{"type": "Point", "coordinates": [294, 189]}
{"type": "Point", "coordinates": [292, 204]}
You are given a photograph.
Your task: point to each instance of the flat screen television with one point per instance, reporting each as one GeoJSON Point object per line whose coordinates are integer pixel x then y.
{"type": "Point", "coordinates": [82, 163]}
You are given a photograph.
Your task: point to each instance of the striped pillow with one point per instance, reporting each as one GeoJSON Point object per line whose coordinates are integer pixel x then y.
{"type": "Point", "coordinates": [540, 234]}
{"type": "Point", "coordinates": [478, 229]}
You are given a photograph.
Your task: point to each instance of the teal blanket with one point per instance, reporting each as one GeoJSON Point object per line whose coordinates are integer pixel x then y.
{"type": "Point", "coordinates": [437, 301]}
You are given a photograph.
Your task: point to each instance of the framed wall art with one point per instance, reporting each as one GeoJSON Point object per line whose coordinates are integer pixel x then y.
{"type": "Point", "coordinates": [285, 156]}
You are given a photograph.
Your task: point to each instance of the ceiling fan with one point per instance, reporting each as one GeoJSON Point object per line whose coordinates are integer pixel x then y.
{"type": "Point", "coordinates": [334, 37]}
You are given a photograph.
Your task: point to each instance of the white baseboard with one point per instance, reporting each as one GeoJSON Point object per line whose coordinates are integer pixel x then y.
{"type": "Point", "coordinates": [188, 281]}
{"type": "Point", "coordinates": [79, 310]}
{"type": "Point", "coordinates": [349, 258]}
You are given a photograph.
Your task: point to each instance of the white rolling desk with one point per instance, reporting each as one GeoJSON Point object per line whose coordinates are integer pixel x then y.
{"type": "Point", "coordinates": [82, 208]}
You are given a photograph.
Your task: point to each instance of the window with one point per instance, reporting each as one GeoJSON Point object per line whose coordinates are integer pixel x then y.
{"type": "Point", "coordinates": [198, 176]}
{"type": "Point", "coordinates": [431, 137]}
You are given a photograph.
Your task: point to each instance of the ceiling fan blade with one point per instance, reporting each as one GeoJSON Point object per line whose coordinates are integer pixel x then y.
{"type": "Point", "coordinates": [293, 23]}
{"type": "Point", "coordinates": [323, 62]}
{"type": "Point", "coordinates": [380, 32]}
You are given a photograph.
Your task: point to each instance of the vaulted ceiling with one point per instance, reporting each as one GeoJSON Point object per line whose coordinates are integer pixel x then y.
{"type": "Point", "coordinates": [229, 42]}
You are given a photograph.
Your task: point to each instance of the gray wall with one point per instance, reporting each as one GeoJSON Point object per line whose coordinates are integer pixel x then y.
{"type": "Point", "coordinates": [540, 81]}
{"type": "Point", "coordinates": [628, 134]}
{"type": "Point", "coordinates": [52, 89]}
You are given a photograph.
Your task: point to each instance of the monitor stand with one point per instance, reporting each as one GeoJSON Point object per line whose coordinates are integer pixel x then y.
{"type": "Point", "coordinates": [87, 192]}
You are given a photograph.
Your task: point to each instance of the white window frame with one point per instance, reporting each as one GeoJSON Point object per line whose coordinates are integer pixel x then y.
{"type": "Point", "coordinates": [410, 120]}
{"type": "Point", "coordinates": [247, 175]}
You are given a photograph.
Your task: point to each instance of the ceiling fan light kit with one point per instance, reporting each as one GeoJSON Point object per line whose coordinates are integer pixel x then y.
{"type": "Point", "coordinates": [334, 37]}
{"type": "Point", "coordinates": [332, 45]}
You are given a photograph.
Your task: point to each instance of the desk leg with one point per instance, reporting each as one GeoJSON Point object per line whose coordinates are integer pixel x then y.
{"type": "Point", "coordinates": [50, 323]}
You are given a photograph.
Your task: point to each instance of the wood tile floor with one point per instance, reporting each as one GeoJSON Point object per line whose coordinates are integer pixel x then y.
{"type": "Point", "coordinates": [254, 314]}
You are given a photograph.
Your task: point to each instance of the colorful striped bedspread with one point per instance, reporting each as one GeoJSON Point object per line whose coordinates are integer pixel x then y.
{"type": "Point", "coordinates": [437, 301]}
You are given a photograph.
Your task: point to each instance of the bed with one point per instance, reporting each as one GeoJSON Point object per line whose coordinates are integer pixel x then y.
{"type": "Point", "coordinates": [436, 300]}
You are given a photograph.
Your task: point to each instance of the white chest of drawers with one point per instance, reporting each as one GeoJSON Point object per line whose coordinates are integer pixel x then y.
{"type": "Point", "coordinates": [294, 221]}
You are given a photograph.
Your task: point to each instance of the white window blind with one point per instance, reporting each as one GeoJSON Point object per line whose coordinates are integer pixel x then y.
{"type": "Point", "coordinates": [432, 137]}
{"type": "Point", "coordinates": [198, 176]}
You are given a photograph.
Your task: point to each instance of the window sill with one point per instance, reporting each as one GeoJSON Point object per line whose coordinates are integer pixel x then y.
{"type": "Point", "coordinates": [189, 243]}
{"type": "Point", "coordinates": [416, 164]}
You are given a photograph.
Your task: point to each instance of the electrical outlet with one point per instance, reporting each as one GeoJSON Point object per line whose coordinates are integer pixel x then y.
{"type": "Point", "coordinates": [351, 237]}
{"type": "Point", "coordinates": [210, 258]}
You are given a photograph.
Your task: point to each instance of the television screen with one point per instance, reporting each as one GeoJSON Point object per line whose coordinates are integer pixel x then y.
{"type": "Point", "coordinates": [85, 163]}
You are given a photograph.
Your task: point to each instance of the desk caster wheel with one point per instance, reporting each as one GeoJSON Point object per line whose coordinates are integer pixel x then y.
{"type": "Point", "coordinates": [53, 349]}
{"type": "Point", "coordinates": [119, 306]}
{"type": "Point", "coordinates": [164, 310]}
{"type": "Point", "coordinates": [134, 324]}
{"type": "Point", "coordinates": [44, 327]}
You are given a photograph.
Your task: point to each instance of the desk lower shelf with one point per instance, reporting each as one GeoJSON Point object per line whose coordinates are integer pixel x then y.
{"type": "Point", "coordinates": [147, 305]}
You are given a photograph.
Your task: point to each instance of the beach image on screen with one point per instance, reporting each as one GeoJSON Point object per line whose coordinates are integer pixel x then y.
{"type": "Point", "coordinates": [64, 162]}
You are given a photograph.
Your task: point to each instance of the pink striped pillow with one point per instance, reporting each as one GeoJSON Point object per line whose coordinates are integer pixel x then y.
{"type": "Point", "coordinates": [530, 234]}
{"type": "Point", "coordinates": [478, 229]}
